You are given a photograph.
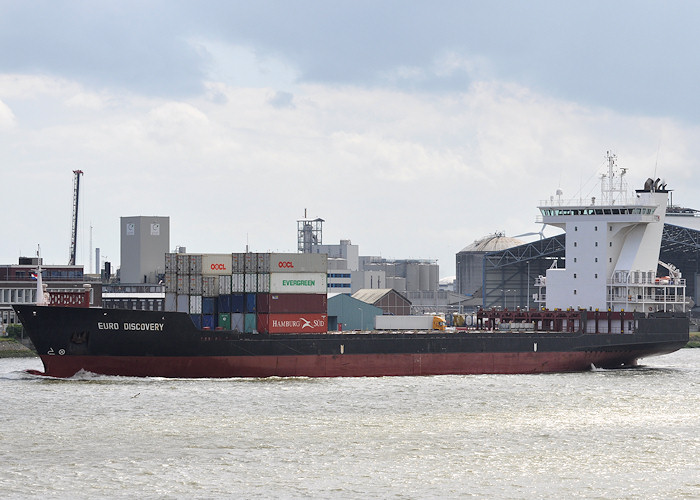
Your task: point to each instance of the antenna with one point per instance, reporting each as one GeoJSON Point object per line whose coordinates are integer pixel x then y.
{"type": "Point", "coordinates": [90, 266]}
{"type": "Point", "coordinates": [656, 163]}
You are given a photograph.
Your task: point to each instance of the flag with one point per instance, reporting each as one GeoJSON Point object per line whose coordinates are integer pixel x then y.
{"type": "Point", "coordinates": [34, 276]}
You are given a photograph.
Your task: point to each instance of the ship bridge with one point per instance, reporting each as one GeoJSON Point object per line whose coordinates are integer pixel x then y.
{"type": "Point", "coordinates": [612, 249]}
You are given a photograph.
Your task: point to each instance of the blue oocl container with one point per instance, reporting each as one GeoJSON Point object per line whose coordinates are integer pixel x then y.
{"type": "Point", "coordinates": [225, 303]}
{"type": "Point", "coordinates": [197, 320]}
{"type": "Point", "coordinates": [208, 321]}
{"type": "Point", "coordinates": [209, 305]}
{"type": "Point", "coordinates": [237, 303]}
{"type": "Point", "coordinates": [250, 303]}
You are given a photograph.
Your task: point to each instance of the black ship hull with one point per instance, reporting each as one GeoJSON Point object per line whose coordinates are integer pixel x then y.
{"type": "Point", "coordinates": [167, 344]}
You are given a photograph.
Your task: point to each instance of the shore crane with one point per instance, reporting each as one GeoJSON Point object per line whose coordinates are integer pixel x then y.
{"type": "Point", "coordinates": [74, 228]}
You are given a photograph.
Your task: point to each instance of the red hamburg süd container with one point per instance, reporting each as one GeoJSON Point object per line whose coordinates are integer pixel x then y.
{"type": "Point", "coordinates": [278, 303]}
{"type": "Point", "coordinates": [293, 323]}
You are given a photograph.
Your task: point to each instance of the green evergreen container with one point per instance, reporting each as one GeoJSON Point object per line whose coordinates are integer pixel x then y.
{"type": "Point", "coordinates": [225, 321]}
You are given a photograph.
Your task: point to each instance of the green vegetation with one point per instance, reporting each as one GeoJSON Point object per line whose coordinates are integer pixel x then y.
{"type": "Point", "coordinates": [694, 340]}
{"type": "Point", "coordinates": [14, 331]}
{"type": "Point", "coordinates": [11, 348]}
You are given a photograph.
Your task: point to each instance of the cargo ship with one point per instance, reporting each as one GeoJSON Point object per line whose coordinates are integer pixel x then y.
{"type": "Point", "coordinates": [264, 315]}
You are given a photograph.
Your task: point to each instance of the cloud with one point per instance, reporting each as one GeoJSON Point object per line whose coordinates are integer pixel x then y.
{"type": "Point", "coordinates": [402, 174]}
{"type": "Point", "coordinates": [622, 55]}
{"type": "Point", "coordinates": [7, 117]}
{"type": "Point", "coordinates": [282, 100]}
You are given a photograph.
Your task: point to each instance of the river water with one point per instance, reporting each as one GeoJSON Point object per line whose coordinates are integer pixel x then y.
{"type": "Point", "coordinates": [603, 434]}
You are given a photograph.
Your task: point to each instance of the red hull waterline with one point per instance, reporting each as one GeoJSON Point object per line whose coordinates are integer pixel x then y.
{"type": "Point", "coordinates": [358, 365]}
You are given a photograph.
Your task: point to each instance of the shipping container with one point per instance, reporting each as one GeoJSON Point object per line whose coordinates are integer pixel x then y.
{"type": "Point", "coordinates": [251, 283]}
{"type": "Point", "coordinates": [183, 303]}
{"type": "Point", "coordinates": [225, 303]}
{"type": "Point", "coordinates": [209, 321]}
{"type": "Point", "coordinates": [250, 301]}
{"type": "Point", "coordinates": [238, 283]}
{"type": "Point", "coordinates": [197, 320]}
{"type": "Point", "coordinates": [293, 323]}
{"type": "Point", "coordinates": [292, 303]}
{"type": "Point", "coordinates": [183, 264]}
{"type": "Point", "coordinates": [298, 263]}
{"type": "Point", "coordinates": [225, 284]}
{"type": "Point", "coordinates": [263, 263]}
{"type": "Point", "coordinates": [195, 284]}
{"type": "Point", "coordinates": [183, 284]}
{"type": "Point", "coordinates": [298, 282]}
{"type": "Point", "coordinates": [225, 321]}
{"type": "Point", "coordinates": [251, 323]}
{"type": "Point", "coordinates": [170, 282]}
{"type": "Point", "coordinates": [250, 262]}
{"type": "Point", "coordinates": [263, 283]}
{"type": "Point", "coordinates": [238, 262]}
{"type": "Point", "coordinates": [195, 304]}
{"type": "Point", "coordinates": [237, 302]}
{"type": "Point", "coordinates": [195, 263]}
{"type": "Point", "coordinates": [217, 263]}
{"type": "Point", "coordinates": [209, 305]}
{"type": "Point", "coordinates": [170, 304]}
{"type": "Point", "coordinates": [210, 286]}
{"type": "Point", "coordinates": [171, 263]}
{"type": "Point", "coordinates": [237, 322]}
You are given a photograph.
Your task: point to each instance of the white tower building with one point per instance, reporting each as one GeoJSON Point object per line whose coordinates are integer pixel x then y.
{"type": "Point", "coordinates": [612, 250]}
{"type": "Point", "coordinates": [144, 243]}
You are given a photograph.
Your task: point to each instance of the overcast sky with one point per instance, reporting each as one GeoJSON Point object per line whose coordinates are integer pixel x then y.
{"type": "Point", "coordinates": [412, 128]}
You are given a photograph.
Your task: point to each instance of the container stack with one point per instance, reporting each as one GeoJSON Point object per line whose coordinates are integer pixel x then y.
{"type": "Point", "coordinates": [296, 301]}
{"type": "Point", "coordinates": [249, 292]}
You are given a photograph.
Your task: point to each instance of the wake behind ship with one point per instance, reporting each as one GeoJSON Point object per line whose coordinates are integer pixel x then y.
{"type": "Point", "coordinates": [607, 308]}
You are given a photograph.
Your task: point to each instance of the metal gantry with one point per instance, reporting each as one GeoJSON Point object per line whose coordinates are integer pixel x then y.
{"type": "Point", "coordinates": [74, 225]}
{"type": "Point", "coordinates": [509, 275]}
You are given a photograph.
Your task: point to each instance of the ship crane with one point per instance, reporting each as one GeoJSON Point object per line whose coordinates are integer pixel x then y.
{"type": "Point", "coordinates": [74, 228]}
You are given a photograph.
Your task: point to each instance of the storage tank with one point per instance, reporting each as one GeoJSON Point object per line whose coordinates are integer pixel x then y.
{"type": "Point", "coordinates": [434, 277]}
{"type": "Point", "coordinates": [423, 277]}
{"type": "Point", "coordinates": [412, 277]}
{"type": "Point", "coordinates": [470, 260]}
{"type": "Point", "coordinates": [398, 284]}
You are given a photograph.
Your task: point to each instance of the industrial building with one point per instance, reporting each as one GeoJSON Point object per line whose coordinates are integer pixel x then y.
{"type": "Point", "coordinates": [470, 262]}
{"type": "Point", "coordinates": [144, 243]}
{"type": "Point", "coordinates": [388, 300]}
{"type": "Point", "coordinates": [17, 285]}
{"type": "Point", "coordinates": [348, 313]}
{"type": "Point", "coordinates": [349, 272]}
{"type": "Point", "coordinates": [509, 274]}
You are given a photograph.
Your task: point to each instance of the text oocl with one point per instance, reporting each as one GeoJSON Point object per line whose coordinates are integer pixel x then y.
{"type": "Point", "coordinates": [286, 265]}
{"type": "Point", "coordinates": [218, 267]}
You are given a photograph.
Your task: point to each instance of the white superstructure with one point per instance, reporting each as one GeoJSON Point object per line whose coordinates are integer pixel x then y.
{"type": "Point", "coordinates": [612, 250]}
